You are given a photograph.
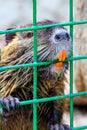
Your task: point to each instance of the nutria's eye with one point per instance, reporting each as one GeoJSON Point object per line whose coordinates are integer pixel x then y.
{"type": "Point", "coordinates": [30, 34]}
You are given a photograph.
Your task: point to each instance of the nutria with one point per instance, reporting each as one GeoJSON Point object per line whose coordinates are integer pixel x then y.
{"type": "Point", "coordinates": [17, 84]}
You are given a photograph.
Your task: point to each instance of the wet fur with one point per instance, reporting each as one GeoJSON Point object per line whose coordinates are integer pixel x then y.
{"type": "Point", "coordinates": [19, 82]}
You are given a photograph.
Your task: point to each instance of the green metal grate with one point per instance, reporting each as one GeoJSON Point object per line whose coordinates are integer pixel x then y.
{"type": "Point", "coordinates": [34, 28]}
{"type": "Point", "coordinates": [71, 66]}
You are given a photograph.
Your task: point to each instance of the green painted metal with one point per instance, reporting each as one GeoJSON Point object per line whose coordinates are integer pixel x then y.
{"type": "Point", "coordinates": [80, 128]}
{"type": "Point", "coordinates": [40, 63]}
{"type": "Point", "coordinates": [51, 98]}
{"type": "Point", "coordinates": [43, 27]}
{"type": "Point", "coordinates": [71, 65]}
{"type": "Point", "coordinates": [35, 67]}
{"type": "Point", "coordinates": [35, 64]}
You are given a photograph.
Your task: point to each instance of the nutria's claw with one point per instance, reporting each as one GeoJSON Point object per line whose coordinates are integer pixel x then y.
{"type": "Point", "coordinates": [66, 127]}
{"type": "Point", "coordinates": [9, 103]}
{"type": "Point", "coordinates": [59, 127]}
{"type": "Point", "coordinates": [54, 127]}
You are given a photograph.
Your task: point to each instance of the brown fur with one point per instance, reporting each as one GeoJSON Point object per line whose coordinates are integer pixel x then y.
{"type": "Point", "coordinates": [19, 82]}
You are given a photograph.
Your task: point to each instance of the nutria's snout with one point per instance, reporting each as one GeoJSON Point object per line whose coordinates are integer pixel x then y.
{"type": "Point", "coordinates": [60, 40]}
{"type": "Point", "coordinates": [62, 35]}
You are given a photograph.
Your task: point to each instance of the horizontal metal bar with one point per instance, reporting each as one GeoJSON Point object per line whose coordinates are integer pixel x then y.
{"type": "Point", "coordinates": [40, 63]}
{"type": "Point", "coordinates": [51, 98]}
{"type": "Point", "coordinates": [24, 65]}
{"type": "Point", "coordinates": [79, 128]}
{"type": "Point", "coordinates": [43, 27]}
{"type": "Point", "coordinates": [55, 98]}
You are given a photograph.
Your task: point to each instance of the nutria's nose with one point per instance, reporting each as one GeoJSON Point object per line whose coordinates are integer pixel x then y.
{"type": "Point", "coordinates": [62, 35]}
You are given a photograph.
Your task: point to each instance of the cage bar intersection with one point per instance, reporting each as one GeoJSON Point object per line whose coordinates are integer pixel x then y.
{"type": "Point", "coordinates": [35, 64]}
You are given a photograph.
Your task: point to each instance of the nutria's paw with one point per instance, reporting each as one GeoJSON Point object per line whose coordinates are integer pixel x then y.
{"type": "Point", "coordinates": [59, 127]}
{"type": "Point", "coordinates": [54, 122]}
{"type": "Point", "coordinates": [9, 103]}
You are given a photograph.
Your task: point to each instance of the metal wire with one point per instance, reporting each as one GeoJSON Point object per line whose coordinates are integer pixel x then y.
{"type": "Point", "coordinates": [71, 66]}
{"type": "Point", "coordinates": [35, 67]}
{"type": "Point", "coordinates": [34, 101]}
{"type": "Point", "coordinates": [43, 27]}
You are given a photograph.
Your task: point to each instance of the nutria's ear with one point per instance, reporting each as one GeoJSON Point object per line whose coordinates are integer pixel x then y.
{"type": "Point", "coordinates": [9, 36]}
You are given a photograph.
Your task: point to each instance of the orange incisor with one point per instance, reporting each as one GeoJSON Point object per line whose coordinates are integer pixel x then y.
{"type": "Point", "coordinates": [61, 57]}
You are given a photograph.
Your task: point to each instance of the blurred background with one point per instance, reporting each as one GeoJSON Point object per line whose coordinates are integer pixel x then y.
{"type": "Point", "coordinates": [19, 12]}
{"type": "Point", "coordinates": [16, 12]}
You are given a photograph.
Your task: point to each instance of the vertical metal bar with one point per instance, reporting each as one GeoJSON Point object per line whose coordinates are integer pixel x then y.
{"type": "Point", "coordinates": [35, 67]}
{"type": "Point", "coordinates": [71, 67]}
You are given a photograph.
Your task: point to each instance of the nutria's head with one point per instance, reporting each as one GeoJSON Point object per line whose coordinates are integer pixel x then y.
{"type": "Point", "coordinates": [54, 40]}
{"type": "Point", "coordinates": [50, 41]}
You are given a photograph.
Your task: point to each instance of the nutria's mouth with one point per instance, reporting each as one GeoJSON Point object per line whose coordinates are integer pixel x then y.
{"type": "Point", "coordinates": [61, 56]}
